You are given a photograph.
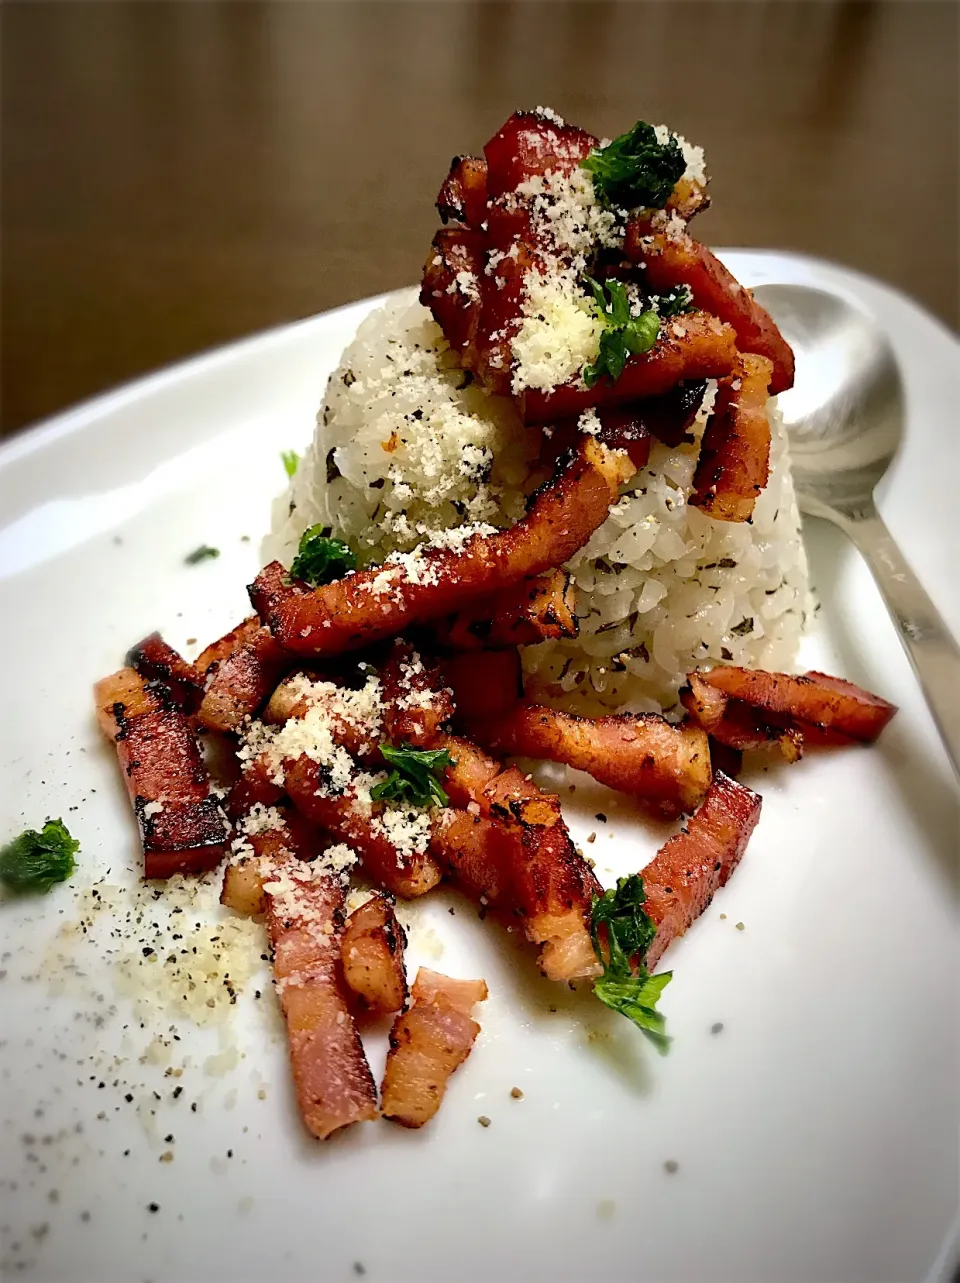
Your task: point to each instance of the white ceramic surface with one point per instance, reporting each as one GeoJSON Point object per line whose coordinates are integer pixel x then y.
{"type": "Point", "coordinates": [815, 1136]}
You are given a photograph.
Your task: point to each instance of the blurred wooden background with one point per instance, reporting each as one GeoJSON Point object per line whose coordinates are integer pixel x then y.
{"type": "Point", "coordinates": [176, 175]}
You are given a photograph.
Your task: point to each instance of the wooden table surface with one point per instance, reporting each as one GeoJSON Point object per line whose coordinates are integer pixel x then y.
{"type": "Point", "coordinates": [177, 175]}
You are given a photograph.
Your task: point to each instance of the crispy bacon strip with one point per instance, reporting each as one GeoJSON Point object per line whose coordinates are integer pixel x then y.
{"type": "Point", "coordinates": [681, 879]}
{"type": "Point", "coordinates": [371, 951]}
{"type": "Point", "coordinates": [304, 915]}
{"type": "Point", "coordinates": [415, 701]}
{"type": "Point", "coordinates": [688, 198]}
{"type": "Point", "coordinates": [155, 661]}
{"type": "Point", "coordinates": [532, 611]}
{"type": "Point", "coordinates": [501, 306]}
{"type": "Point", "coordinates": [293, 838]}
{"type": "Point", "coordinates": [242, 669]}
{"type": "Point", "coordinates": [350, 819]}
{"type": "Point", "coordinates": [827, 704]}
{"type": "Point", "coordinates": [182, 826]}
{"type": "Point", "coordinates": [256, 784]}
{"type": "Point", "coordinates": [665, 767]}
{"type": "Point", "coordinates": [672, 259]}
{"type": "Point", "coordinates": [734, 463]}
{"type": "Point", "coordinates": [670, 417]}
{"type": "Point", "coordinates": [619, 430]}
{"type": "Point", "coordinates": [476, 852]}
{"type": "Point", "coordinates": [225, 646]}
{"type": "Point", "coordinates": [547, 884]}
{"type": "Point", "coordinates": [485, 683]}
{"type": "Point", "coordinates": [427, 1043]}
{"type": "Point", "coordinates": [530, 144]}
{"type": "Point", "coordinates": [451, 286]}
{"type": "Point", "coordinates": [463, 196]}
{"type": "Point", "coordinates": [290, 700]}
{"type": "Point", "coordinates": [695, 346]}
{"type": "Point", "coordinates": [377, 603]}
{"type": "Point", "coordinates": [736, 725]}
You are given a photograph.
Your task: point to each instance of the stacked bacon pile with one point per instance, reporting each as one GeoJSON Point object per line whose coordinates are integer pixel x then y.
{"type": "Point", "coordinates": [367, 713]}
{"type": "Point", "coordinates": [477, 277]}
{"type": "Point", "coordinates": [485, 826]}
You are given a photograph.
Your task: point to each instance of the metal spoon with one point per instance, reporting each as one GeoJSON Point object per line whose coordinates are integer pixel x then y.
{"type": "Point", "coordinates": [844, 419]}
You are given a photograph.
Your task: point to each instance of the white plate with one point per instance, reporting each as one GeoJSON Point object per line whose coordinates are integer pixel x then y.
{"type": "Point", "coordinates": [815, 1136]}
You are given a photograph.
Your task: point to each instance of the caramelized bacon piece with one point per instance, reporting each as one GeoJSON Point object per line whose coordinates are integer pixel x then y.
{"type": "Point", "coordinates": [154, 660]}
{"type": "Point", "coordinates": [485, 683]}
{"type": "Point", "coordinates": [452, 278]}
{"type": "Point", "coordinates": [182, 826]}
{"type": "Point", "coordinates": [619, 430]}
{"type": "Point", "coordinates": [476, 852]}
{"type": "Point", "coordinates": [225, 646]}
{"type": "Point", "coordinates": [828, 704]}
{"type": "Point", "coordinates": [415, 701]}
{"type": "Point", "coordinates": [547, 884]}
{"type": "Point", "coordinates": [293, 699]}
{"type": "Point", "coordinates": [304, 915]}
{"type": "Point", "coordinates": [688, 198]}
{"type": "Point", "coordinates": [681, 879]}
{"type": "Point", "coordinates": [677, 259]}
{"type": "Point", "coordinates": [695, 346]}
{"type": "Point", "coordinates": [665, 767]}
{"type": "Point", "coordinates": [244, 667]}
{"type": "Point", "coordinates": [736, 725]}
{"type": "Point", "coordinates": [382, 602]}
{"type": "Point", "coordinates": [501, 311]}
{"type": "Point", "coordinates": [530, 144]}
{"type": "Point", "coordinates": [532, 611]}
{"type": "Point", "coordinates": [463, 196]}
{"type": "Point", "coordinates": [427, 1043]}
{"type": "Point", "coordinates": [371, 951]}
{"type": "Point", "coordinates": [350, 819]}
{"type": "Point", "coordinates": [292, 838]}
{"type": "Point", "coordinates": [670, 417]}
{"type": "Point", "coordinates": [242, 889]}
{"type": "Point", "coordinates": [256, 784]}
{"type": "Point", "coordinates": [734, 460]}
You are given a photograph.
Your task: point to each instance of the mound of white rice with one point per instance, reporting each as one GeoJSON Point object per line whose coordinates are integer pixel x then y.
{"type": "Point", "coordinates": [407, 444]}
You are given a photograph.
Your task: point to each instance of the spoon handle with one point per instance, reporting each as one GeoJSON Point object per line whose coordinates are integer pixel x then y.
{"type": "Point", "coordinates": [932, 649]}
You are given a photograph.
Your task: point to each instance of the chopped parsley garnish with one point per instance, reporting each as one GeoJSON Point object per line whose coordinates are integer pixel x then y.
{"type": "Point", "coordinates": [203, 553]}
{"type": "Point", "coordinates": [630, 990]}
{"type": "Point", "coordinates": [35, 861]}
{"type": "Point", "coordinates": [636, 169]}
{"type": "Point", "coordinates": [623, 333]}
{"type": "Point", "coordinates": [320, 559]}
{"type": "Point", "coordinates": [414, 775]}
{"type": "Point", "coordinates": [676, 301]}
{"type": "Point", "coordinates": [290, 460]}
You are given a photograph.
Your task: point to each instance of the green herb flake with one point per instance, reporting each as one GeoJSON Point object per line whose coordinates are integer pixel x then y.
{"type": "Point", "coordinates": [290, 460]}
{"type": "Point", "coordinates": [203, 553]}
{"type": "Point", "coordinates": [623, 333]}
{"type": "Point", "coordinates": [35, 861]}
{"type": "Point", "coordinates": [676, 301]}
{"type": "Point", "coordinates": [636, 169]}
{"type": "Point", "coordinates": [320, 559]}
{"type": "Point", "coordinates": [414, 775]}
{"type": "Point", "coordinates": [628, 987]}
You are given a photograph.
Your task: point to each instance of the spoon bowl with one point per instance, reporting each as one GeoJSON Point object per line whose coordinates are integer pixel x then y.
{"type": "Point", "coordinates": [845, 414]}
{"type": "Point", "coordinates": [845, 419]}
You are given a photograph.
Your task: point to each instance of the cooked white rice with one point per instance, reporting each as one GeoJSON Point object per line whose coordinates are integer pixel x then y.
{"type": "Point", "coordinates": [406, 445]}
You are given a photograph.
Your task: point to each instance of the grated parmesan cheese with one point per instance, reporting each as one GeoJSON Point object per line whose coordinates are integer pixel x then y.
{"type": "Point", "coordinates": [330, 709]}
